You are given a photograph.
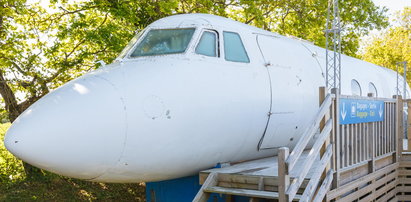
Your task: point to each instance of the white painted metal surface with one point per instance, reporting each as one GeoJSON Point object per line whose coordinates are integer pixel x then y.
{"type": "Point", "coordinates": [161, 117]}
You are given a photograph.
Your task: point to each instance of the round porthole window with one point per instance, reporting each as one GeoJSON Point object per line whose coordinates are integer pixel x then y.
{"type": "Point", "coordinates": [372, 89]}
{"type": "Point", "coordinates": [355, 88]}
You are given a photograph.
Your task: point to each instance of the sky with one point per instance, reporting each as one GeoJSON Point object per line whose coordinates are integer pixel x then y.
{"type": "Point", "coordinates": [393, 5]}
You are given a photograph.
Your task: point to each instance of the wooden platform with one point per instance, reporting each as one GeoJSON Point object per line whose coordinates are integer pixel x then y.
{"type": "Point", "coordinates": [251, 171]}
{"type": "Point", "coordinates": [364, 161]}
{"type": "Point", "coordinates": [404, 178]}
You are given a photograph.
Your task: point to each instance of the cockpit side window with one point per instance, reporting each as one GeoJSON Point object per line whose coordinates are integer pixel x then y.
{"type": "Point", "coordinates": [233, 48]}
{"type": "Point", "coordinates": [208, 44]}
{"type": "Point", "coordinates": [130, 45]}
{"type": "Point", "coordinates": [164, 41]}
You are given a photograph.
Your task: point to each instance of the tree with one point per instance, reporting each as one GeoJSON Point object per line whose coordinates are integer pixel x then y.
{"type": "Point", "coordinates": [8, 11]}
{"type": "Point", "coordinates": [305, 19]}
{"type": "Point", "coordinates": [394, 45]}
{"type": "Point", "coordinates": [41, 51]}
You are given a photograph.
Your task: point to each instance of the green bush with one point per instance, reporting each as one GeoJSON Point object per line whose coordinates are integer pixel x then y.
{"type": "Point", "coordinates": [11, 169]}
{"type": "Point", "coordinates": [4, 116]}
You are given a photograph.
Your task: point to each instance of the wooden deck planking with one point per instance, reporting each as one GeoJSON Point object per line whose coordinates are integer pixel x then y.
{"type": "Point", "coordinates": [266, 168]}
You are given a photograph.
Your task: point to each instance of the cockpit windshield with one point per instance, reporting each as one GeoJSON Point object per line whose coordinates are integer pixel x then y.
{"type": "Point", "coordinates": [130, 45]}
{"type": "Point", "coordinates": [164, 41]}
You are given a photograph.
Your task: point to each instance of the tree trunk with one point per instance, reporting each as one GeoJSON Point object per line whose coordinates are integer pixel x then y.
{"type": "Point", "coordinates": [10, 100]}
{"type": "Point", "coordinates": [31, 171]}
{"type": "Point", "coordinates": [14, 110]}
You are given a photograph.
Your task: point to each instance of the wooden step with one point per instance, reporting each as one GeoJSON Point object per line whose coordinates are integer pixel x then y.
{"type": "Point", "coordinates": [242, 192]}
{"type": "Point", "coordinates": [245, 192]}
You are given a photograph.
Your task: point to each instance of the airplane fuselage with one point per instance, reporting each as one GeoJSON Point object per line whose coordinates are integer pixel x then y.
{"type": "Point", "coordinates": [220, 91]}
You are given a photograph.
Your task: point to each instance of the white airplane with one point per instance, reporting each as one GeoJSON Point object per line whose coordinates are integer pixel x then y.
{"type": "Point", "coordinates": [188, 92]}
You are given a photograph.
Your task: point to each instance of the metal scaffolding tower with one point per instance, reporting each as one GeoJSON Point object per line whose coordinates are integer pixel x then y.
{"type": "Point", "coordinates": [402, 81]}
{"type": "Point", "coordinates": [402, 90]}
{"type": "Point", "coordinates": [333, 47]}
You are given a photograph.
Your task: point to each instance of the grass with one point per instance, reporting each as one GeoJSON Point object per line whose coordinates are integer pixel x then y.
{"type": "Point", "coordinates": [15, 186]}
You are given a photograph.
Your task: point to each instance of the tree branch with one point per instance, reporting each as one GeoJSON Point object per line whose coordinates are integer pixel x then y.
{"type": "Point", "coordinates": [9, 98]}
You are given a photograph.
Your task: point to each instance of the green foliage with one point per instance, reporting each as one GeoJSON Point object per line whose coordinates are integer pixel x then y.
{"type": "Point", "coordinates": [3, 116]}
{"type": "Point", "coordinates": [14, 186]}
{"type": "Point", "coordinates": [43, 49]}
{"type": "Point", "coordinates": [11, 169]}
{"type": "Point", "coordinates": [394, 45]}
{"type": "Point", "coordinates": [306, 19]}
{"type": "Point", "coordinates": [300, 18]}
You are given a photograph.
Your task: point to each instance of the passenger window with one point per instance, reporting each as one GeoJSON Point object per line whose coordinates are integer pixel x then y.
{"type": "Point", "coordinates": [372, 89]}
{"type": "Point", "coordinates": [234, 48]}
{"type": "Point", "coordinates": [208, 44]}
{"type": "Point", "coordinates": [355, 88]}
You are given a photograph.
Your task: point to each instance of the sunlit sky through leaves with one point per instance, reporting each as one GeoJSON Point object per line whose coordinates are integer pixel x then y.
{"type": "Point", "coordinates": [393, 5]}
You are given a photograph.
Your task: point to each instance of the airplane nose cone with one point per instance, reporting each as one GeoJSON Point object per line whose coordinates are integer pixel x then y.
{"type": "Point", "coordinates": [77, 130]}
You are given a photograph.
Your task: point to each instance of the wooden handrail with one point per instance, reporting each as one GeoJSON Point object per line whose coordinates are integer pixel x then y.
{"type": "Point", "coordinates": [309, 132]}
{"type": "Point", "coordinates": [312, 184]}
{"type": "Point", "coordinates": [325, 186]}
{"type": "Point", "coordinates": [288, 189]}
{"type": "Point", "coordinates": [211, 180]}
{"type": "Point", "coordinates": [314, 152]}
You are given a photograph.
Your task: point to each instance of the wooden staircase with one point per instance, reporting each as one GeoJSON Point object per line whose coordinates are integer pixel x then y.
{"type": "Point", "coordinates": [304, 174]}
{"type": "Point", "coordinates": [362, 161]}
{"type": "Point", "coordinates": [254, 179]}
{"type": "Point", "coordinates": [211, 186]}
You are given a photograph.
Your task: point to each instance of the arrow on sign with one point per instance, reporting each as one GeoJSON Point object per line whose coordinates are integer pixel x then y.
{"type": "Point", "coordinates": [381, 111]}
{"type": "Point", "coordinates": [343, 112]}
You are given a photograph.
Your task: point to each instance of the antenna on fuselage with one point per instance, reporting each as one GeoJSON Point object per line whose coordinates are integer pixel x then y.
{"type": "Point", "coordinates": [333, 47]}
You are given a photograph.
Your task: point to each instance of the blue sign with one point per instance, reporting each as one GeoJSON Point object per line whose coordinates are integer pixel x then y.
{"type": "Point", "coordinates": [360, 111]}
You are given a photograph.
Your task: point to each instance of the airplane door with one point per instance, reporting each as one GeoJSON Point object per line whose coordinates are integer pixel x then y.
{"type": "Point", "coordinates": [285, 80]}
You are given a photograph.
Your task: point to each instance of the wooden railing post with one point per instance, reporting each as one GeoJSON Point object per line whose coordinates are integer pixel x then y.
{"type": "Point", "coordinates": [371, 146]}
{"type": "Point", "coordinates": [399, 126]}
{"type": "Point", "coordinates": [322, 94]}
{"type": "Point", "coordinates": [283, 175]}
{"type": "Point", "coordinates": [409, 125]}
{"type": "Point", "coordinates": [335, 138]}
